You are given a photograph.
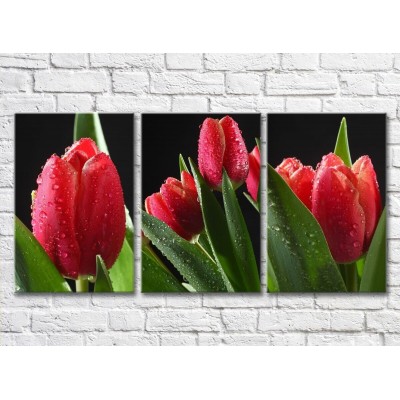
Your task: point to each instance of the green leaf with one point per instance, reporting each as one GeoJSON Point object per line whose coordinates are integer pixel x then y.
{"type": "Point", "coordinates": [297, 248]}
{"type": "Point", "coordinates": [239, 234]}
{"type": "Point", "coordinates": [252, 202]}
{"type": "Point", "coordinates": [218, 232]}
{"type": "Point", "coordinates": [121, 273]}
{"type": "Point", "coordinates": [89, 126]}
{"type": "Point", "coordinates": [129, 229]}
{"type": "Point", "coordinates": [374, 274]}
{"type": "Point", "coordinates": [156, 279]}
{"type": "Point", "coordinates": [204, 243]}
{"type": "Point", "coordinates": [272, 283]}
{"type": "Point", "coordinates": [193, 264]}
{"type": "Point", "coordinates": [342, 144]}
{"type": "Point", "coordinates": [34, 271]}
{"type": "Point", "coordinates": [103, 283]}
{"type": "Point", "coordinates": [182, 164]}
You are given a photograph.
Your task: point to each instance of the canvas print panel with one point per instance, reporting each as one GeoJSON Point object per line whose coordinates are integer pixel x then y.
{"type": "Point", "coordinates": [200, 216]}
{"type": "Point", "coordinates": [326, 203]}
{"type": "Point", "coordinates": [74, 197]}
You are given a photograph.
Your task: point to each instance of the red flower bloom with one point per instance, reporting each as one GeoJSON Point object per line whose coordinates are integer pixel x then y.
{"type": "Point", "coordinates": [253, 179]}
{"type": "Point", "coordinates": [221, 146]}
{"type": "Point", "coordinates": [347, 204]}
{"type": "Point", "coordinates": [177, 205]}
{"type": "Point", "coordinates": [298, 177]}
{"type": "Point", "coordinates": [78, 210]}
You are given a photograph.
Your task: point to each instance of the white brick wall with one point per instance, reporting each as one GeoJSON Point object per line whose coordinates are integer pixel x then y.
{"type": "Point", "coordinates": [199, 83]}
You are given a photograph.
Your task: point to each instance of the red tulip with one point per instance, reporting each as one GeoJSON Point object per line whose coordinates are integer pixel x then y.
{"type": "Point", "coordinates": [221, 146]}
{"type": "Point", "coordinates": [346, 203]}
{"type": "Point", "coordinates": [177, 205]}
{"type": "Point", "coordinates": [298, 177]}
{"type": "Point", "coordinates": [253, 179]}
{"type": "Point", "coordinates": [78, 210]}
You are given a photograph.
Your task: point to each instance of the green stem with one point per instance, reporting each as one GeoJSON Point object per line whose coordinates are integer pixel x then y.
{"type": "Point", "coordinates": [197, 243]}
{"type": "Point", "coordinates": [82, 285]}
{"type": "Point", "coordinates": [350, 276]}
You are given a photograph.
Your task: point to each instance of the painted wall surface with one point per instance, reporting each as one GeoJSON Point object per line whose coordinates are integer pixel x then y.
{"type": "Point", "coordinates": [198, 83]}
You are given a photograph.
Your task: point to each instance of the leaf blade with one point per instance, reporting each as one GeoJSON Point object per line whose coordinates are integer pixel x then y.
{"type": "Point", "coordinates": [342, 144]}
{"type": "Point", "coordinates": [122, 271]}
{"type": "Point", "coordinates": [103, 282]}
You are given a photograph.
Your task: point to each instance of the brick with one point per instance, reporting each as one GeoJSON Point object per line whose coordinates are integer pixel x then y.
{"type": "Point", "coordinates": [178, 339]}
{"type": "Point", "coordinates": [189, 104]}
{"type": "Point", "coordinates": [247, 104]}
{"type": "Point", "coordinates": [239, 300]}
{"type": "Point", "coordinates": [394, 298]}
{"type": "Point", "coordinates": [293, 321]}
{"type": "Point", "coordinates": [183, 300]}
{"type": "Point", "coordinates": [245, 340]}
{"type": "Point", "coordinates": [393, 131]}
{"type": "Point", "coordinates": [209, 339]}
{"type": "Point", "coordinates": [354, 301]}
{"type": "Point", "coordinates": [10, 104]}
{"type": "Point", "coordinates": [393, 273]}
{"type": "Point", "coordinates": [395, 156]}
{"type": "Point", "coordinates": [368, 105]}
{"type": "Point", "coordinates": [11, 82]}
{"type": "Point", "coordinates": [393, 179]}
{"type": "Point", "coordinates": [22, 339]}
{"type": "Point", "coordinates": [24, 60]}
{"type": "Point", "coordinates": [121, 339]}
{"type": "Point", "coordinates": [287, 339]}
{"type": "Point", "coordinates": [6, 151]}
{"type": "Point", "coordinates": [343, 339]}
{"type": "Point", "coordinates": [6, 128]}
{"type": "Point", "coordinates": [392, 339]}
{"type": "Point", "coordinates": [133, 104]}
{"type": "Point", "coordinates": [14, 321]}
{"type": "Point", "coordinates": [300, 61]}
{"type": "Point", "coordinates": [301, 84]}
{"type": "Point", "coordinates": [65, 339]}
{"type": "Point", "coordinates": [6, 224]}
{"type": "Point", "coordinates": [68, 81]}
{"type": "Point", "coordinates": [69, 60]}
{"type": "Point", "coordinates": [74, 321]}
{"type": "Point", "coordinates": [358, 84]}
{"type": "Point", "coordinates": [133, 60]}
{"type": "Point", "coordinates": [187, 83]}
{"type": "Point", "coordinates": [6, 248]}
{"type": "Point", "coordinates": [130, 82]}
{"type": "Point", "coordinates": [239, 320]}
{"type": "Point", "coordinates": [304, 104]}
{"type": "Point", "coordinates": [389, 85]}
{"type": "Point", "coordinates": [184, 60]}
{"type": "Point", "coordinates": [183, 320]}
{"type": "Point", "coordinates": [297, 301]}
{"type": "Point", "coordinates": [241, 62]}
{"type": "Point", "coordinates": [354, 62]}
{"type": "Point", "coordinates": [243, 83]}
{"type": "Point", "coordinates": [385, 321]}
{"type": "Point", "coordinates": [347, 321]}
{"type": "Point", "coordinates": [6, 200]}
{"type": "Point", "coordinates": [64, 301]}
{"type": "Point", "coordinates": [75, 103]}
{"type": "Point", "coordinates": [393, 229]}
{"type": "Point", "coordinates": [132, 320]}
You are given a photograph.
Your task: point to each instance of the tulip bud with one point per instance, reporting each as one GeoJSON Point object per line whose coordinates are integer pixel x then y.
{"type": "Point", "coordinates": [78, 210]}
{"type": "Point", "coordinates": [221, 146]}
{"type": "Point", "coordinates": [253, 179]}
{"type": "Point", "coordinates": [177, 205]}
{"type": "Point", "coordinates": [346, 203]}
{"type": "Point", "coordinates": [298, 177]}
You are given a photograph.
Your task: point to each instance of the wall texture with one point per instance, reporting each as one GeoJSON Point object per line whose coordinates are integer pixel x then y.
{"type": "Point", "coordinates": [198, 83]}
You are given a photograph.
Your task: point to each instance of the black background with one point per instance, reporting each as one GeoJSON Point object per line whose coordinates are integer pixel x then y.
{"type": "Point", "coordinates": [164, 136]}
{"type": "Point", "coordinates": [308, 137]}
{"type": "Point", "coordinates": [38, 136]}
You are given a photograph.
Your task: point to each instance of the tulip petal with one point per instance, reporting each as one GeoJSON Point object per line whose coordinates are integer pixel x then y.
{"type": "Point", "coordinates": [301, 182]}
{"type": "Point", "coordinates": [100, 213]}
{"type": "Point", "coordinates": [236, 158]}
{"type": "Point", "coordinates": [211, 152]}
{"type": "Point", "coordinates": [253, 179]}
{"type": "Point", "coordinates": [155, 205]}
{"type": "Point", "coordinates": [288, 167]}
{"type": "Point", "coordinates": [335, 205]}
{"type": "Point", "coordinates": [370, 198]}
{"type": "Point", "coordinates": [184, 207]}
{"type": "Point", "coordinates": [80, 152]}
{"type": "Point", "coordinates": [53, 215]}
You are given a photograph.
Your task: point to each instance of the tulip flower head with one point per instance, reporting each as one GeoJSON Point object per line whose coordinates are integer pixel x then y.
{"type": "Point", "coordinates": [253, 179]}
{"type": "Point", "coordinates": [177, 205]}
{"type": "Point", "coordinates": [298, 177]}
{"type": "Point", "coordinates": [346, 202]}
{"type": "Point", "coordinates": [78, 210]}
{"type": "Point", "coordinates": [221, 145]}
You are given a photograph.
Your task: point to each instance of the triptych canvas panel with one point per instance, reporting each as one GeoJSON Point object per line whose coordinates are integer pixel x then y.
{"type": "Point", "coordinates": [200, 204]}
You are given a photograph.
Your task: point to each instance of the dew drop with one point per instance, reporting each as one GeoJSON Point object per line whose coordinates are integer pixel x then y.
{"type": "Point", "coordinates": [55, 186]}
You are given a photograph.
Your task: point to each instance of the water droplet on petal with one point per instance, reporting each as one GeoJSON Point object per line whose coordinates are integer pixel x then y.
{"type": "Point", "coordinates": [55, 186]}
